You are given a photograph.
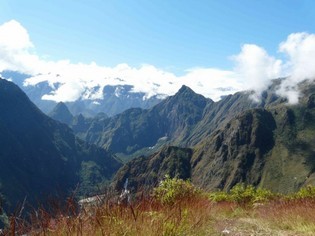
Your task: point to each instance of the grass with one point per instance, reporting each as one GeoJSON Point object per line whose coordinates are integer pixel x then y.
{"type": "Point", "coordinates": [193, 214]}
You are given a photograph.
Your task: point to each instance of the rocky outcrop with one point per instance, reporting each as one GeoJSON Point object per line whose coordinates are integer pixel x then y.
{"type": "Point", "coordinates": [146, 172]}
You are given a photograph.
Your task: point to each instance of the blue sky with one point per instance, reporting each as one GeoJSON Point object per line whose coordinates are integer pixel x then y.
{"type": "Point", "coordinates": [215, 47]}
{"type": "Point", "coordinates": [175, 35]}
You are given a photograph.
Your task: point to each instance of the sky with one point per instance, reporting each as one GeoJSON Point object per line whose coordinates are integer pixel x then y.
{"type": "Point", "coordinates": [215, 47]}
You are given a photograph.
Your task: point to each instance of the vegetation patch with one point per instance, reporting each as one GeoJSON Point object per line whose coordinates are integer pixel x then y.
{"type": "Point", "coordinates": [177, 207]}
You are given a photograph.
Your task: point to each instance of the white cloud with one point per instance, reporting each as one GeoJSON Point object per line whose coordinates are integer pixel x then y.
{"type": "Point", "coordinates": [14, 47]}
{"type": "Point", "coordinates": [69, 91]}
{"type": "Point", "coordinates": [212, 83]}
{"type": "Point", "coordinates": [300, 50]}
{"type": "Point", "coordinates": [13, 36]}
{"type": "Point", "coordinates": [254, 69]}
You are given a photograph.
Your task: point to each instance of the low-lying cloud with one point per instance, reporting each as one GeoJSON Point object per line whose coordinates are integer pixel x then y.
{"type": "Point", "coordinates": [300, 50]}
{"type": "Point", "coordinates": [254, 69]}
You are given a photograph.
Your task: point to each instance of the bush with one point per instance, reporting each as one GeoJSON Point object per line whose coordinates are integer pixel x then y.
{"type": "Point", "coordinates": [305, 192]}
{"type": "Point", "coordinates": [242, 194]}
{"type": "Point", "coordinates": [220, 196]}
{"type": "Point", "coordinates": [171, 190]}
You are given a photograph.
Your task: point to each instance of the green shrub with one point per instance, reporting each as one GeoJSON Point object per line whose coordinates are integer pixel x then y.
{"type": "Point", "coordinates": [242, 194]}
{"type": "Point", "coordinates": [219, 196]}
{"type": "Point", "coordinates": [263, 195]}
{"type": "Point", "coordinates": [171, 190]}
{"type": "Point", "coordinates": [248, 194]}
{"type": "Point", "coordinates": [305, 192]}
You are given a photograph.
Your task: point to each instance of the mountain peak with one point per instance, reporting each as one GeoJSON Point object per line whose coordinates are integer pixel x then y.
{"type": "Point", "coordinates": [185, 89]}
{"type": "Point", "coordinates": [61, 106]}
{"type": "Point", "coordinates": [61, 113]}
{"type": "Point", "coordinates": [186, 94]}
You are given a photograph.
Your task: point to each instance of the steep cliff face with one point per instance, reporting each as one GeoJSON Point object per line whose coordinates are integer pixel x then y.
{"type": "Point", "coordinates": [236, 153]}
{"type": "Point", "coordinates": [217, 115]}
{"type": "Point", "coordinates": [272, 148]}
{"type": "Point", "coordinates": [291, 162]}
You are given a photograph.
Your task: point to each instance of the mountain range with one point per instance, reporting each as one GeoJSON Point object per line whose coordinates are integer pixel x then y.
{"type": "Point", "coordinates": [184, 120]}
{"type": "Point", "coordinates": [114, 98]}
{"type": "Point", "coordinates": [268, 144]}
{"type": "Point", "coordinates": [216, 145]}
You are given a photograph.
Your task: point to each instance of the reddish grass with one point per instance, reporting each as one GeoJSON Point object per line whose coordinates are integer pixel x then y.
{"type": "Point", "coordinates": [146, 216]}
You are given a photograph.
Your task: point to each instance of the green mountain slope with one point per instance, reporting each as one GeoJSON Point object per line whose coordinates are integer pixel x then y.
{"type": "Point", "coordinates": [272, 148]}
{"type": "Point", "coordinates": [40, 156]}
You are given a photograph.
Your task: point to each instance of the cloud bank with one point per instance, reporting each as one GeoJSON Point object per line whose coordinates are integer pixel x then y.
{"type": "Point", "coordinates": [254, 69]}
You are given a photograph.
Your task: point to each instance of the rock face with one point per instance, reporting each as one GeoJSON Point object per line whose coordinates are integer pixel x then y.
{"type": "Point", "coordinates": [236, 153]}
{"type": "Point", "coordinates": [40, 156]}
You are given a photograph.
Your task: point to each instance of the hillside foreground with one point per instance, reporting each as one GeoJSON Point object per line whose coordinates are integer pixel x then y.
{"type": "Point", "coordinates": [176, 207]}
